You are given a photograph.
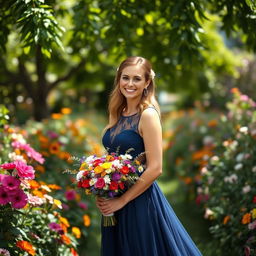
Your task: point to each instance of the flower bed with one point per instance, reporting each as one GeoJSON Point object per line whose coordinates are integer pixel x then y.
{"type": "Point", "coordinates": [44, 215]}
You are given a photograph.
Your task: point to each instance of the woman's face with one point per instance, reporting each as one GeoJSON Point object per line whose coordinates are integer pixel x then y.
{"type": "Point", "coordinates": [132, 82]}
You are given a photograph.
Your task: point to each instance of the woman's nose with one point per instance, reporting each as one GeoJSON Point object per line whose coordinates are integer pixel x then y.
{"type": "Point", "coordinates": [130, 82]}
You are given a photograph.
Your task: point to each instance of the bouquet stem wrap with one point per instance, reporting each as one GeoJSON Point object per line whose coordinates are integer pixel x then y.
{"type": "Point", "coordinates": [109, 220]}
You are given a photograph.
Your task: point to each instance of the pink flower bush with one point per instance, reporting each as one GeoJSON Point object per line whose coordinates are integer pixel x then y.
{"type": "Point", "coordinates": [19, 199]}
{"type": "Point", "coordinates": [30, 151]}
{"type": "Point", "coordinates": [23, 170]}
{"type": "Point", "coordinates": [10, 183]}
{"type": "Point", "coordinates": [4, 197]}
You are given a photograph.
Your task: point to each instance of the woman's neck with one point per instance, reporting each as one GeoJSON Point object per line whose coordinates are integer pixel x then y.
{"type": "Point", "coordinates": [132, 107]}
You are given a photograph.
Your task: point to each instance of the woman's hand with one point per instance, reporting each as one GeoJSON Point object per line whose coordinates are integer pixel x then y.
{"type": "Point", "coordinates": [108, 206]}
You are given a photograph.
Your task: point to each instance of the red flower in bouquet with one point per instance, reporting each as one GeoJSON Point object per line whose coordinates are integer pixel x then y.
{"type": "Point", "coordinates": [113, 185]}
{"type": "Point", "coordinates": [124, 170]}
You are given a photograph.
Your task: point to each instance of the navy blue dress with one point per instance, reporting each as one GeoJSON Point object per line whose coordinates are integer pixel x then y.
{"type": "Point", "coordinates": [147, 225]}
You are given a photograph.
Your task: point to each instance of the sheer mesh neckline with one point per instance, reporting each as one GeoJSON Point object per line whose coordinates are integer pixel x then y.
{"type": "Point", "coordinates": [125, 123]}
{"type": "Point", "coordinates": [130, 115]}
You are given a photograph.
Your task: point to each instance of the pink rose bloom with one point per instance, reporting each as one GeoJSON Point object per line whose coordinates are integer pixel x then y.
{"type": "Point", "coordinates": [100, 183]}
{"type": "Point", "coordinates": [25, 171]}
{"type": "Point", "coordinates": [4, 197]}
{"type": "Point", "coordinates": [70, 194]}
{"type": "Point", "coordinates": [19, 200]}
{"type": "Point", "coordinates": [83, 205]}
{"type": "Point", "coordinates": [8, 166]}
{"type": "Point", "coordinates": [10, 183]}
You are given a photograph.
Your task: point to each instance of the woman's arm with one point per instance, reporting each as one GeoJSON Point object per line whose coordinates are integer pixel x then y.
{"type": "Point", "coordinates": [151, 131]}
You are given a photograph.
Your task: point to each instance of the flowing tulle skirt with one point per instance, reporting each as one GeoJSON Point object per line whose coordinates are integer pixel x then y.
{"type": "Point", "coordinates": [147, 226]}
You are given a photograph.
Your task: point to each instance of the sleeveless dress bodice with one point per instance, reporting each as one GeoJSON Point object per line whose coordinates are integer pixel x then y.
{"type": "Point", "coordinates": [147, 225]}
{"type": "Point", "coordinates": [124, 136]}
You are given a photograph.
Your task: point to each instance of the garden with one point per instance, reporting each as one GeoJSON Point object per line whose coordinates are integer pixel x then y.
{"type": "Point", "coordinates": [58, 63]}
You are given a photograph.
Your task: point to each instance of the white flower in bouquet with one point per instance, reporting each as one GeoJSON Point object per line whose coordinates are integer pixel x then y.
{"type": "Point", "coordinates": [106, 187]}
{"type": "Point", "coordinates": [108, 171]}
{"type": "Point", "coordinates": [117, 164]}
{"type": "Point", "coordinates": [92, 181]}
{"type": "Point", "coordinates": [79, 175]}
{"type": "Point", "coordinates": [107, 179]}
{"type": "Point", "coordinates": [126, 157]}
{"type": "Point", "coordinates": [140, 169]}
{"type": "Point", "coordinates": [90, 159]}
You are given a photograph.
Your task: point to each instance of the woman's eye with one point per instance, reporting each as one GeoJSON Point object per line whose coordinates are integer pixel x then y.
{"type": "Point", "coordinates": [125, 78]}
{"type": "Point", "coordinates": [137, 79]}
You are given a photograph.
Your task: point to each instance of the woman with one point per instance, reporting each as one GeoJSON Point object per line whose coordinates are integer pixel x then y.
{"type": "Point", "coordinates": [146, 224]}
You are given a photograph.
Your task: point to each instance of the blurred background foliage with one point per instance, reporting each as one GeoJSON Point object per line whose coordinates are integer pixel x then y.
{"type": "Point", "coordinates": [58, 53]}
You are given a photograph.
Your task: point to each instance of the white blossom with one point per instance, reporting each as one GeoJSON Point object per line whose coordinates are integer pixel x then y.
{"type": "Point", "coordinates": [117, 164]}
{"type": "Point", "coordinates": [19, 138]}
{"type": "Point", "coordinates": [126, 157]}
{"type": "Point", "coordinates": [244, 130]}
{"type": "Point", "coordinates": [208, 213]}
{"type": "Point", "coordinates": [79, 175]}
{"type": "Point", "coordinates": [204, 171]}
{"type": "Point", "coordinates": [140, 169]}
{"type": "Point", "coordinates": [238, 166]}
{"type": "Point", "coordinates": [231, 179]}
{"type": "Point", "coordinates": [107, 179]}
{"type": "Point", "coordinates": [92, 181]}
{"type": "Point", "coordinates": [254, 169]}
{"type": "Point", "coordinates": [246, 189]}
{"type": "Point", "coordinates": [108, 171]}
{"type": "Point", "coordinates": [14, 157]}
{"type": "Point", "coordinates": [240, 157]}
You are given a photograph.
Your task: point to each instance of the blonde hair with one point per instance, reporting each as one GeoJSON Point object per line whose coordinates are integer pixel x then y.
{"type": "Point", "coordinates": [117, 101]}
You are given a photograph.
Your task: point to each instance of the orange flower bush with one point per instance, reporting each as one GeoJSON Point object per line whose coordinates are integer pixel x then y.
{"type": "Point", "coordinates": [26, 246]}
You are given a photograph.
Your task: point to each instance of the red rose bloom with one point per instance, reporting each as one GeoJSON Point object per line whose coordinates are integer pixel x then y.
{"type": "Point", "coordinates": [124, 170]}
{"type": "Point", "coordinates": [113, 185]}
{"type": "Point", "coordinates": [85, 184]}
{"type": "Point", "coordinates": [254, 200]}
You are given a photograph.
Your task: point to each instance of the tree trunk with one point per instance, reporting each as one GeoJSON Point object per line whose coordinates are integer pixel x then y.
{"type": "Point", "coordinates": [40, 107]}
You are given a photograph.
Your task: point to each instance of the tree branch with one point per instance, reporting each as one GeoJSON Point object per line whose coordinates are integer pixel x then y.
{"type": "Point", "coordinates": [69, 74]}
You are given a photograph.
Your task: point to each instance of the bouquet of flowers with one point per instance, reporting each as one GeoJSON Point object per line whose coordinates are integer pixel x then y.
{"type": "Point", "coordinates": [108, 176]}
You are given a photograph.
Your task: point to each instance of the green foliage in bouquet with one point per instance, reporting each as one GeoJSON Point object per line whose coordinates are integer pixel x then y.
{"type": "Point", "coordinates": [229, 180]}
